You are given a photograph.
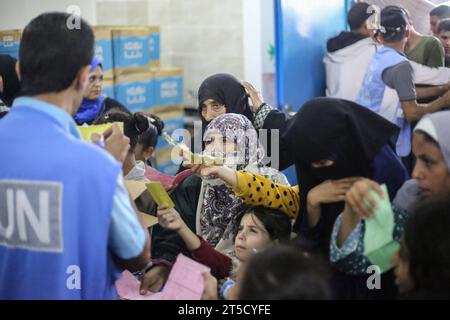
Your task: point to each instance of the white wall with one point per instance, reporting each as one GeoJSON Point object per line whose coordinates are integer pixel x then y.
{"type": "Point", "coordinates": [15, 14]}
{"type": "Point", "coordinates": [201, 36]}
{"type": "Point", "coordinates": [259, 36]}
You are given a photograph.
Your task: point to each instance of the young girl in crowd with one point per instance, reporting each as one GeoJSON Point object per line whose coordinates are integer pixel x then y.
{"type": "Point", "coordinates": [257, 229]}
{"type": "Point", "coordinates": [147, 141]}
{"type": "Point", "coordinates": [135, 125]}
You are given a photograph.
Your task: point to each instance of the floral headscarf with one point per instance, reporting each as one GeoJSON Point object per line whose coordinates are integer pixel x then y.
{"type": "Point", "coordinates": [221, 208]}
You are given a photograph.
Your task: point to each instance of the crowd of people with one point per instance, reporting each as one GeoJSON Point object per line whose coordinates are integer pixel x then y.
{"type": "Point", "coordinates": [383, 126]}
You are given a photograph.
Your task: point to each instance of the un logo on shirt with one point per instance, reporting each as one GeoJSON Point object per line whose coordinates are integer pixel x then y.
{"type": "Point", "coordinates": [31, 215]}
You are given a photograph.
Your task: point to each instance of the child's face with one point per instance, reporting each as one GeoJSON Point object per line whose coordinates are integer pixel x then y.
{"type": "Point", "coordinates": [252, 237]}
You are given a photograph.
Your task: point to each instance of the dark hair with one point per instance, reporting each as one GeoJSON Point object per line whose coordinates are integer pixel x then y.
{"type": "Point", "coordinates": [427, 244]}
{"type": "Point", "coordinates": [150, 137]}
{"type": "Point", "coordinates": [133, 124]}
{"type": "Point", "coordinates": [277, 224]}
{"type": "Point", "coordinates": [442, 11]}
{"type": "Point", "coordinates": [51, 55]}
{"type": "Point", "coordinates": [284, 273]}
{"type": "Point", "coordinates": [394, 22]}
{"type": "Point", "coordinates": [444, 25]}
{"type": "Point", "coordinates": [358, 14]}
{"type": "Point", "coordinates": [111, 106]}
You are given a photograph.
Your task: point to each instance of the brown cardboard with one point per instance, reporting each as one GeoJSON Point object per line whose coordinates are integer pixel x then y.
{"type": "Point", "coordinates": [148, 220]}
{"type": "Point", "coordinates": [135, 188]}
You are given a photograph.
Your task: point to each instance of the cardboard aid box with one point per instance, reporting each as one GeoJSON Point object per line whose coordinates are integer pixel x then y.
{"type": "Point", "coordinates": [104, 49]}
{"type": "Point", "coordinates": [173, 117]}
{"type": "Point", "coordinates": [131, 52]}
{"type": "Point", "coordinates": [168, 86]}
{"type": "Point", "coordinates": [135, 91]}
{"type": "Point", "coordinates": [10, 42]}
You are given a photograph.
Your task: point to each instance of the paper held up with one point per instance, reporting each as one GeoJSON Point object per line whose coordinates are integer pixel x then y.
{"type": "Point", "coordinates": [87, 131]}
{"type": "Point", "coordinates": [159, 194]}
{"type": "Point", "coordinates": [193, 158]}
{"type": "Point", "coordinates": [185, 282]}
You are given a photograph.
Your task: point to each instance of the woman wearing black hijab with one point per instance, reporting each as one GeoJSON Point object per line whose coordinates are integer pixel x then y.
{"type": "Point", "coordinates": [9, 82]}
{"type": "Point", "coordinates": [218, 94]}
{"type": "Point", "coordinates": [223, 93]}
{"type": "Point", "coordinates": [226, 93]}
{"type": "Point", "coordinates": [334, 139]}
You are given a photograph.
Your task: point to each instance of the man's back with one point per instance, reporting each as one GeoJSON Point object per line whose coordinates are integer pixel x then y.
{"type": "Point", "coordinates": [56, 195]}
{"type": "Point", "coordinates": [346, 67]}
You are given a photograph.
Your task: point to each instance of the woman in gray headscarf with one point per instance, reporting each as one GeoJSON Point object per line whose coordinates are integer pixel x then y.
{"type": "Point", "coordinates": [431, 177]}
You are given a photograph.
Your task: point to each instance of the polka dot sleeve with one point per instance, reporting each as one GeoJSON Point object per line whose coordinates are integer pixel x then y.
{"type": "Point", "coordinates": [257, 190]}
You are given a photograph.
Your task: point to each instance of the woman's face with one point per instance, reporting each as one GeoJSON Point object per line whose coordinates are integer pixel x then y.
{"type": "Point", "coordinates": [95, 84]}
{"type": "Point", "coordinates": [402, 276]}
{"type": "Point", "coordinates": [252, 237]}
{"type": "Point", "coordinates": [430, 170]}
{"type": "Point", "coordinates": [215, 142]}
{"type": "Point", "coordinates": [212, 109]}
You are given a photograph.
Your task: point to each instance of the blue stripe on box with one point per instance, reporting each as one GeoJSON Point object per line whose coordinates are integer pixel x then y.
{"type": "Point", "coordinates": [168, 90]}
{"type": "Point", "coordinates": [136, 95]}
{"type": "Point", "coordinates": [131, 52]}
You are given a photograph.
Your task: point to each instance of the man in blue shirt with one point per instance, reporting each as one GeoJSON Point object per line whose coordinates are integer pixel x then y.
{"type": "Point", "coordinates": [67, 224]}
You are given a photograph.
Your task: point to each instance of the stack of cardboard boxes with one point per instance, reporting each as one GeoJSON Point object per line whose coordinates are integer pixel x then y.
{"type": "Point", "coordinates": [130, 56]}
{"type": "Point", "coordinates": [134, 78]}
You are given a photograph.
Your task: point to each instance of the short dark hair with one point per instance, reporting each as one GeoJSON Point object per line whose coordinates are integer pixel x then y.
{"type": "Point", "coordinates": [284, 273]}
{"type": "Point", "coordinates": [444, 25]}
{"type": "Point", "coordinates": [427, 246]}
{"type": "Point", "coordinates": [133, 124]}
{"type": "Point", "coordinates": [358, 14]}
{"type": "Point", "coordinates": [394, 22]}
{"type": "Point", "coordinates": [442, 11]}
{"type": "Point", "coordinates": [277, 224]}
{"type": "Point", "coordinates": [51, 55]}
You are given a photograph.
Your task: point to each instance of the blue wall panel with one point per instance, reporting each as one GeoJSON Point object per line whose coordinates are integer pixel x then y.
{"type": "Point", "coordinates": [301, 32]}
